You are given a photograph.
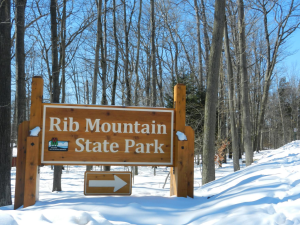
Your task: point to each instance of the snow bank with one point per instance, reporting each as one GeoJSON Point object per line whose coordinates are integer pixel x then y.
{"type": "Point", "coordinates": [267, 192]}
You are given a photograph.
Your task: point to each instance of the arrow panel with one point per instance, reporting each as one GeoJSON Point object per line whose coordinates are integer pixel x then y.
{"type": "Point", "coordinates": [107, 183]}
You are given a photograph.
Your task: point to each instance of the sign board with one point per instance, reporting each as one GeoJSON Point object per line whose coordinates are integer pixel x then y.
{"type": "Point", "coordinates": [91, 135]}
{"type": "Point", "coordinates": [103, 135]}
{"type": "Point", "coordinates": [109, 183]}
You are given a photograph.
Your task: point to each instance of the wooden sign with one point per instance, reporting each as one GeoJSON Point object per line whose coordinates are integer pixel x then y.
{"type": "Point", "coordinates": [103, 135]}
{"type": "Point", "coordinates": [94, 135]}
{"type": "Point", "coordinates": [107, 183]}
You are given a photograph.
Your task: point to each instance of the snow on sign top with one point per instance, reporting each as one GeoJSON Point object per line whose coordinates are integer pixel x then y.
{"type": "Point", "coordinates": [83, 135]}
{"type": "Point", "coordinates": [181, 136]}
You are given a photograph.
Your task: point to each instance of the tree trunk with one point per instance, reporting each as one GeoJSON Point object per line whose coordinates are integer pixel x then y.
{"type": "Point", "coordinates": [20, 62]}
{"type": "Point", "coordinates": [245, 90]}
{"type": "Point", "coordinates": [103, 58]}
{"type": "Point", "coordinates": [153, 55]}
{"type": "Point", "coordinates": [5, 101]}
{"type": "Point", "coordinates": [137, 81]}
{"type": "Point", "coordinates": [147, 85]}
{"type": "Point", "coordinates": [96, 63]}
{"type": "Point", "coordinates": [221, 111]}
{"type": "Point", "coordinates": [234, 135]}
{"type": "Point", "coordinates": [104, 64]}
{"type": "Point", "coordinates": [63, 53]}
{"type": "Point", "coordinates": [160, 81]}
{"type": "Point", "coordinates": [281, 116]}
{"type": "Point", "coordinates": [55, 79]}
{"type": "Point", "coordinates": [126, 58]}
{"type": "Point", "coordinates": [176, 50]}
{"type": "Point", "coordinates": [113, 101]}
{"type": "Point", "coordinates": [199, 44]}
{"type": "Point", "coordinates": [206, 38]}
{"type": "Point", "coordinates": [87, 102]}
{"type": "Point", "coordinates": [208, 173]}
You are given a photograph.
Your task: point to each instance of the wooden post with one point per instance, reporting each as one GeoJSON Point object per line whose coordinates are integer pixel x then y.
{"type": "Point", "coordinates": [190, 134]}
{"type": "Point", "coordinates": [23, 132]}
{"type": "Point", "coordinates": [31, 190]}
{"type": "Point", "coordinates": [178, 184]}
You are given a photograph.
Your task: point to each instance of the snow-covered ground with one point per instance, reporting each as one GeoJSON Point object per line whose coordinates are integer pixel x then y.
{"type": "Point", "coordinates": [267, 192]}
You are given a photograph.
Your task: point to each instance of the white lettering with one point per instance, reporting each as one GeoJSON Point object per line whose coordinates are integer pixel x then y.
{"type": "Point", "coordinates": [65, 124]}
{"type": "Point", "coordinates": [71, 125]}
{"type": "Point", "coordinates": [87, 145]}
{"type": "Point", "coordinates": [97, 147]}
{"type": "Point", "coordinates": [139, 149]}
{"type": "Point", "coordinates": [114, 128]}
{"type": "Point", "coordinates": [80, 145]}
{"type": "Point", "coordinates": [136, 127]}
{"type": "Point", "coordinates": [158, 147]}
{"type": "Point", "coordinates": [159, 126]}
{"type": "Point", "coordinates": [127, 125]}
{"type": "Point", "coordinates": [148, 147]}
{"type": "Point", "coordinates": [113, 146]}
{"type": "Point", "coordinates": [153, 127]}
{"type": "Point", "coordinates": [52, 124]}
{"type": "Point", "coordinates": [108, 127]}
{"type": "Point", "coordinates": [89, 124]}
{"type": "Point", "coordinates": [105, 143]}
{"type": "Point", "coordinates": [146, 129]}
{"type": "Point", "coordinates": [127, 145]}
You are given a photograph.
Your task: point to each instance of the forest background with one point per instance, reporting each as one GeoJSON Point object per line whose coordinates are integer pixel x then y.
{"type": "Point", "coordinates": [117, 52]}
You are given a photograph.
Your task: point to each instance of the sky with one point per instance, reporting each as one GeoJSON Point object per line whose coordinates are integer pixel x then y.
{"type": "Point", "coordinates": [294, 45]}
{"type": "Point", "coordinates": [265, 193]}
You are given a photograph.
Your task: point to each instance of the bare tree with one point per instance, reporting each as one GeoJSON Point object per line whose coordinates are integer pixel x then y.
{"type": "Point", "coordinates": [234, 135]}
{"type": "Point", "coordinates": [127, 27]}
{"type": "Point", "coordinates": [63, 52]}
{"type": "Point", "coordinates": [244, 86]}
{"type": "Point", "coordinates": [5, 107]}
{"type": "Point", "coordinates": [103, 41]}
{"type": "Point", "coordinates": [137, 81]}
{"type": "Point", "coordinates": [208, 173]}
{"type": "Point", "coordinates": [205, 32]}
{"type": "Point", "coordinates": [286, 22]}
{"type": "Point", "coordinates": [200, 72]}
{"type": "Point", "coordinates": [20, 61]}
{"type": "Point", "coordinates": [153, 55]}
{"type": "Point", "coordinates": [55, 82]}
{"type": "Point", "coordinates": [98, 43]}
{"type": "Point", "coordinates": [113, 101]}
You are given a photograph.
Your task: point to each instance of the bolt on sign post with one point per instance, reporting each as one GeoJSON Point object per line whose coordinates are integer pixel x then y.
{"type": "Point", "coordinates": [105, 135]}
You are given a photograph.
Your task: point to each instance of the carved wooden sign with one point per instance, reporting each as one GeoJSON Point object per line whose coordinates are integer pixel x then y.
{"type": "Point", "coordinates": [85, 134]}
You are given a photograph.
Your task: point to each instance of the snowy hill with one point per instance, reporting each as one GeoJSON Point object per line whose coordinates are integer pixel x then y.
{"type": "Point", "coordinates": [267, 192]}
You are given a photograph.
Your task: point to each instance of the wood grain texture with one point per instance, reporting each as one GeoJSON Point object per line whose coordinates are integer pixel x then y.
{"type": "Point", "coordinates": [190, 134]}
{"type": "Point", "coordinates": [70, 117]}
{"type": "Point", "coordinates": [23, 132]}
{"type": "Point", "coordinates": [30, 195]}
{"type": "Point", "coordinates": [31, 190]}
{"type": "Point", "coordinates": [180, 147]}
{"type": "Point", "coordinates": [173, 188]}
